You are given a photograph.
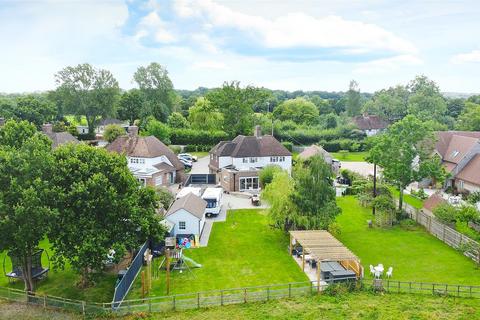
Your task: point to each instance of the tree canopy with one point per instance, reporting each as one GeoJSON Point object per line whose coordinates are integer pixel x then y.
{"type": "Point", "coordinates": [299, 110]}
{"type": "Point", "coordinates": [203, 115]}
{"type": "Point", "coordinates": [130, 105]}
{"type": "Point", "coordinates": [88, 92]}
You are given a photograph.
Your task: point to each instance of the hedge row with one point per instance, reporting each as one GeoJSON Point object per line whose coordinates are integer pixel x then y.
{"type": "Point", "coordinates": [310, 136]}
{"type": "Point", "coordinates": [343, 144]}
{"type": "Point", "coordinates": [197, 137]}
{"type": "Point", "coordinates": [197, 148]}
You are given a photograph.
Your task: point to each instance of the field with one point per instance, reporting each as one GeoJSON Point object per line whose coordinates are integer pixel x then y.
{"type": "Point", "coordinates": [350, 156]}
{"type": "Point", "coordinates": [243, 251]}
{"type": "Point", "coordinates": [414, 254]}
{"type": "Point", "coordinates": [347, 306]}
{"type": "Point", "coordinates": [62, 283]}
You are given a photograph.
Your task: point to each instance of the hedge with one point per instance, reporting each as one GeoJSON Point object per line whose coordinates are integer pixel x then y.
{"type": "Point", "coordinates": [197, 148]}
{"type": "Point", "coordinates": [197, 137]}
{"type": "Point", "coordinates": [312, 136]}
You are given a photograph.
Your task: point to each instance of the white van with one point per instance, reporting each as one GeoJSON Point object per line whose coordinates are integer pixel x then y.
{"type": "Point", "coordinates": [184, 191]}
{"type": "Point", "coordinates": [213, 197]}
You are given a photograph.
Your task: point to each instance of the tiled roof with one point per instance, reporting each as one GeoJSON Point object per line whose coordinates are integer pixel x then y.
{"type": "Point", "coordinates": [164, 167]}
{"type": "Point", "coordinates": [433, 201]}
{"type": "Point", "coordinates": [249, 146]}
{"type": "Point", "coordinates": [143, 147]}
{"type": "Point", "coordinates": [312, 151]}
{"type": "Point", "coordinates": [59, 138]}
{"type": "Point", "coordinates": [444, 140]}
{"type": "Point", "coordinates": [370, 122]}
{"type": "Point", "coordinates": [191, 203]}
{"type": "Point", "coordinates": [471, 172]}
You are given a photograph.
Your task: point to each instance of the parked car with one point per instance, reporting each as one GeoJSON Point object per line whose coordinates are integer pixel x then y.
{"type": "Point", "coordinates": [186, 163]}
{"type": "Point", "coordinates": [187, 156]}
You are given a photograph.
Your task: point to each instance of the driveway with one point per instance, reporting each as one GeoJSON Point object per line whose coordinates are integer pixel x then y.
{"type": "Point", "coordinates": [363, 168]}
{"type": "Point", "coordinates": [201, 166]}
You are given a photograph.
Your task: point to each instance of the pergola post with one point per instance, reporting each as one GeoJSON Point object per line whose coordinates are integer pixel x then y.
{"type": "Point", "coordinates": [303, 258]}
{"type": "Point", "coordinates": [290, 244]}
{"type": "Point", "coordinates": [319, 268]}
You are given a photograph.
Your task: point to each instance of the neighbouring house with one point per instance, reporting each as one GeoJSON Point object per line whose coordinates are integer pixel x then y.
{"type": "Point", "coordinates": [187, 215]}
{"type": "Point", "coordinates": [432, 202]}
{"type": "Point", "coordinates": [150, 161]}
{"type": "Point", "coordinates": [237, 163]}
{"type": "Point", "coordinates": [100, 128]}
{"type": "Point", "coordinates": [314, 150]}
{"type": "Point", "coordinates": [370, 125]}
{"type": "Point", "coordinates": [58, 138]}
{"type": "Point", "coordinates": [460, 154]}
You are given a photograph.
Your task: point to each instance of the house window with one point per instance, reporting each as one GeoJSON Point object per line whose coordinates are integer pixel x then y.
{"type": "Point", "coordinates": [253, 160]}
{"type": "Point", "coordinates": [281, 159]}
{"type": "Point", "coordinates": [142, 181]}
{"type": "Point", "coordinates": [158, 181]}
{"type": "Point", "coordinates": [273, 159]}
{"type": "Point", "coordinates": [455, 153]}
{"type": "Point", "coordinates": [182, 225]}
{"type": "Point", "coordinates": [245, 160]}
{"type": "Point", "coordinates": [137, 161]}
{"type": "Point", "coordinates": [248, 183]}
{"type": "Point", "coordinates": [460, 184]}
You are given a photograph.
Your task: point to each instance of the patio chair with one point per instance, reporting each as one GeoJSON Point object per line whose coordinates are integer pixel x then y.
{"type": "Point", "coordinates": [377, 274]}
{"type": "Point", "coordinates": [372, 270]}
{"type": "Point", "coordinates": [389, 272]}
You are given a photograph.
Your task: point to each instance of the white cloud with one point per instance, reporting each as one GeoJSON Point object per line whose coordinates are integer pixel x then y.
{"type": "Point", "coordinates": [387, 64]}
{"type": "Point", "coordinates": [210, 65]}
{"type": "Point", "coordinates": [297, 29]}
{"type": "Point", "coordinates": [152, 23]}
{"type": "Point", "coordinates": [473, 56]}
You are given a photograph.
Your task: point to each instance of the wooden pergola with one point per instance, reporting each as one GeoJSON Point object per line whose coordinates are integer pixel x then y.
{"type": "Point", "coordinates": [322, 246]}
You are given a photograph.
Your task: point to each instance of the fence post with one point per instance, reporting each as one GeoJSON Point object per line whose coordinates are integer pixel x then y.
{"type": "Point", "coordinates": [44, 302]}
{"type": "Point", "coordinates": [311, 287]}
{"type": "Point", "coordinates": [433, 288]}
{"type": "Point", "coordinates": [221, 297]}
{"type": "Point", "coordinates": [245, 297]}
{"type": "Point", "coordinates": [458, 291]}
{"type": "Point", "coordinates": [150, 305]}
{"type": "Point", "coordinates": [198, 300]}
{"type": "Point", "coordinates": [174, 302]}
{"type": "Point", "coordinates": [83, 307]}
{"type": "Point", "coordinates": [268, 292]}
{"type": "Point", "coordinates": [289, 290]}
{"type": "Point", "coordinates": [443, 233]}
{"type": "Point", "coordinates": [398, 287]}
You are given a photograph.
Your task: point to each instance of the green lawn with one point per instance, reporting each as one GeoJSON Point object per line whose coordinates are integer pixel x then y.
{"type": "Point", "coordinates": [243, 251]}
{"type": "Point", "coordinates": [199, 154]}
{"type": "Point", "coordinates": [350, 156]}
{"type": "Point", "coordinates": [62, 283]}
{"type": "Point", "coordinates": [414, 254]}
{"type": "Point", "coordinates": [408, 198]}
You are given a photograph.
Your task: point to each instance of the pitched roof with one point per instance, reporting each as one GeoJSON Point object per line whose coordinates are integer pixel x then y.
{"type": "Point", "coordinates": [433, 201]}
{"type": "Point", "coordinates": [143, 147]}
{"type": "Point", "coordinates": [458, 148]}
{"type": "Point", "coordinates": [163, 166]}
{"type": "Point", "coordinates": [108, 121]}
{"type": "Point", "coordinates": [312, 151]}
{"type": "Point", "coordinates": [59, 138]}
{"type": "Point", "coordinates": [191, 203]}
{"type": "Point", "coordinates": [367, 122]}
{"type": "Point", "coordinates": [444, 140]}
{"type": "Point", "coordinates": [249, 146]}
{"type": "Point", "coordinates": [471, 172]}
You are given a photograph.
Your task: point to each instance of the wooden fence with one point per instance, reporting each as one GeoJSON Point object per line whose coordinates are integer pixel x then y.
{"type": "Point", "coordinates": [231, 296]}
{"type": "Point", "coordinates": [445, 233]}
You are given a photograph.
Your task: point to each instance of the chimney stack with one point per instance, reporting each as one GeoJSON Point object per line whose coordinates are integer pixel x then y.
{"type": "Point", "coordinates": [47, 128]}
{"type": "Point", "coordinates": [133, 131]}
{"type": "Point", "coordinates": [258, 131]}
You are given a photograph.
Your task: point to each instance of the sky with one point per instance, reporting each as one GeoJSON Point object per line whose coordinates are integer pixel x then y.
{"type": "Point", "coordinates": [278, 44]}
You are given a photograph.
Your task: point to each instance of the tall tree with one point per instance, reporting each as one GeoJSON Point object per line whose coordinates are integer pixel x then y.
{"type": "Point", "coordinates": [404, 152]}
{"type": "Point", "coordinates": [353, 103]}
{"type": "Point", "coordinates": [204, 116]}
{"type": "Point", "coordinates": [314, 194]}
{"type": "Point", "coordinates": [390, 104]}
{"type": "Point", "coordinates": [25, 216]}
{"type": "Point", "coordinates": [14, 133]}
{"type": "Point", "coordinates": [177, 120]}
{"type": "Point", "coordinates": [30, 108]}
{"type": "Point", "coordinates": [101, 207]}
{"type": "Point", "coordinates": [425, 101]}
{"type": "Point", "coordinates": [157, 90]}
{"type": "Point", "coordinates": [130, 105]}
{"type": "Point", "coordinates": [299, 110]}
{"type": "Point", "coordinates": [236, 105]}
{"type": "Point", "coordinates": [469, 119]}
{"type": "Point", "coordinates": [88, 92]}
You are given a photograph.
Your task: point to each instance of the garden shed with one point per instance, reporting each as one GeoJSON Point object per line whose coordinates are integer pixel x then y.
{"type": "Point", "coordinates": [321, 247]}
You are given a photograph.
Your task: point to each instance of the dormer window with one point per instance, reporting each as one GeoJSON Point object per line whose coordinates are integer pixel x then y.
{"type": "Point", "coordinates": [137, 161]}
{"type": "Point", "coordinates": [454, 153]}
{"type": "Point", "coordinates": [253, 160]}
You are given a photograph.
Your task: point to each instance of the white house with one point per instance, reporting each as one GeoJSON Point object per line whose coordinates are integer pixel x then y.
{"type": "Point", "coordinates": [150, 161]}
{"type": "Point", "coordinates": [370, 124]}
{"type": "Point", "coordinates": [187, 214]}
{"type": "Point", "coordinates": [238, 162]}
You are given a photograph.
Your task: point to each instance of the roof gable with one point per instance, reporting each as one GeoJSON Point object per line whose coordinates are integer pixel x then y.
{"type": "Point", "coordinates": [250, 146]}
{"type": "Point", "coordinates": [190, 203]}
{"type": "Point", "coordinates": [370, 122]}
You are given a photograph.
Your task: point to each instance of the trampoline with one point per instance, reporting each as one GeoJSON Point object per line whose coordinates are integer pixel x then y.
{"type": "Point", "coordinates": [38, 271]}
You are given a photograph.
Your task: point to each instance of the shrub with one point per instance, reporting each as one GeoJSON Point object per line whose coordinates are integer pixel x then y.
{"type": "Point", "coordinates": [112, 132]}
{"type": "Point", "coordinates": [288, 145]}
{"type": "Point", "coordinates": [474, 197]}
{"type": "Point", "coordinates": [335, 229]}
{"type": "Point", "coordinates": [446, 213]}
{"type": "Point", "coordinates": [165, 197]}
{"type": "Point", "coordinates": [157, 129]}
{"type": "Point", "coordinates": [468, 213]}
{"type": "Point", "coordinates": [197, 137]}
{"type": "Point", "coordinates": [266, 174]}
{"type": "Point", "coordinates": [175, 149]}
{"type": "Point", "coordinates": [408, 224]}
{"type": "Point", "coordinates": [197, 148]}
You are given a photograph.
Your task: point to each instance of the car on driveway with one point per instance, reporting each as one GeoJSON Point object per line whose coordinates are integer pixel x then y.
{"type": "Point", "coordinates": [187, 156]}
{"type": "Point", "coordinates": [187, 164]}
